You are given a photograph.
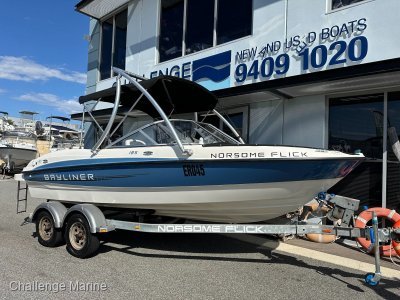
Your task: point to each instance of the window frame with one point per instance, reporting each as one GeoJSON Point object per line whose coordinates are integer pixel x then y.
{"type": "Point", "coordinates": [329, 4]}
{"type": "Point", "coordinates": [101, 21]}
{"type": "Point", "coordinates": [215, 33]}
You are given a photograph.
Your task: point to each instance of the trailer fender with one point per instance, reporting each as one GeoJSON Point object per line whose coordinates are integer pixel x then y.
{"type": "Point", "coordinates": [93, 215]}
{"type": "Point", "coordinates": [56, 209]}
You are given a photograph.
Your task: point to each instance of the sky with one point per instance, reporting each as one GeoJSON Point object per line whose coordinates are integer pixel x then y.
{"type": "Point", "coordinates": [43, 57]}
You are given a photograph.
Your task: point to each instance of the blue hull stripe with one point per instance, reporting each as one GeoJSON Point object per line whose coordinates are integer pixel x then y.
{"type": "Point", "coordinates": [82, 163]}
{"type": "Point", "coordinates": [179, 173]}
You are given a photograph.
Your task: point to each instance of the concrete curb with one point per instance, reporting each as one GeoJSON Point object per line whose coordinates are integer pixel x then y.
{"type": "Point", "coordinates": [317, 255]}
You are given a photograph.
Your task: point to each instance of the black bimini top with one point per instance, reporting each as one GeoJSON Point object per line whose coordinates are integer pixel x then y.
{"type": "Point", "coordinates": [64, 119]}
{"type": "Point", "coordinates": [174, 95]}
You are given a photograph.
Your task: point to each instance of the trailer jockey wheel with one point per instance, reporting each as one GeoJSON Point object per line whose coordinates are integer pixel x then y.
{"type": "Point", "coordinates": [369, 279]}
{"type": "Point", "coordinates": [81, 242]}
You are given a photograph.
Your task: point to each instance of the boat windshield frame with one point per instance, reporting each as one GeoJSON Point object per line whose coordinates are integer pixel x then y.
{"type": "Point", "coordinates": [200, 128]}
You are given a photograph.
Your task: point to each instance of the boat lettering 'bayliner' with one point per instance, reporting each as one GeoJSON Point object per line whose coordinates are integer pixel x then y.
{"type": "Point", "coordinates": [182, 168]}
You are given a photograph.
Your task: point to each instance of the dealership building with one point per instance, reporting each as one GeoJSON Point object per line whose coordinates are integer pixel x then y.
{"type": "Point", "coordinates": [314, 73]}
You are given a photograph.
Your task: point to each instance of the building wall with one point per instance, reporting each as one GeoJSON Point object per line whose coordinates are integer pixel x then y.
{"type": "Point", "coordinates": [305, 23]}
{"type": "Point", "coordinates": [304, 121]}
{"type": "Point", "coordinates": [266, 122]}
{"type": "Point", "coordinates": [93, 56]}
{"type": "Point", "coordinates": [296, 37]}
{"type": "Point", "coordinates": [300, 121]}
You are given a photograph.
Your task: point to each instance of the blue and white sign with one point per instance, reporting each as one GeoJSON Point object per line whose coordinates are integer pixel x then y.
{"type": "Point", "coordinates": [336, 46]}
{"type": "Point", "coordinates": [212, 72]}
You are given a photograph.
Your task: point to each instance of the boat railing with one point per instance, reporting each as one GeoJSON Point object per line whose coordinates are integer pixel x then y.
{"type": "Point", "coordinates": [235, 133]}
{"type": "Point", "coordinates": [122, 73]}
{"type": "Point", "coordinates": [106, 133]}
{"type": "Point", "coordinates": [111, 129]}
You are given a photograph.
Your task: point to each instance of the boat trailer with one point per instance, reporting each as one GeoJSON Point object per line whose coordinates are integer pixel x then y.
{"type": "Point", "coordinates": [79, 227]}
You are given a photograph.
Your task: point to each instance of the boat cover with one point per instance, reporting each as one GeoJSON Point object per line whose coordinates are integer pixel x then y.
{"type": "Point", "coordinates": [174, 95]}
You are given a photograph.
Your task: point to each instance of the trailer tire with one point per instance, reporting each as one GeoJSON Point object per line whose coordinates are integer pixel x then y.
{"type": "Point", "coordinates": [48, 235]}
{"type": "Point", "coordinates": [81, 242]}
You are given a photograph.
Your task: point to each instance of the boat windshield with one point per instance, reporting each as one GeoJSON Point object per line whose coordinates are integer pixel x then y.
{"type": "Point", "coordinates": [189, 132]}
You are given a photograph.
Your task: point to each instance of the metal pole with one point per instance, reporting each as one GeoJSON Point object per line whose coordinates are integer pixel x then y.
{"type": "Point", "coordinates": [51, 125]}
{"type": "Point", "coordinates": [157, 107]}
{"type": "Point", "coordinates": [82, 125]}
{"type": "Point", "coordinates": [377, 275]}
{"type": "Point", "coordinates": [237, 135]}
{"type": "Point", "coordinates": [112, 118]}
{"type": "Point", "coordinates": [384, 141]}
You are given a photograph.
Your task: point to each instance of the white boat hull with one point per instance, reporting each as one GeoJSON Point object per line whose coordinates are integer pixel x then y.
{"type": "Point", "coordinates": [217, 184]}
{"type": "Point", "coordinates": [241, 203]}
{"type": "Point", "coordinates": [17, 157]}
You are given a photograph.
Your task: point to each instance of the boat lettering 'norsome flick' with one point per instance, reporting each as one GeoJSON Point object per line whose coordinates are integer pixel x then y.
{"type": "Point", "coordinates": [182, 168]}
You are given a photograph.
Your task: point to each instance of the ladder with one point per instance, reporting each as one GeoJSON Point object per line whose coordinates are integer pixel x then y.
{"type": "Point", "coordinates": [24, 195]}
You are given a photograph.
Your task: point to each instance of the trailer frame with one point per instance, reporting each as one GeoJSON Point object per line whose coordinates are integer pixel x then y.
{"type": "Point", "coordinates": [89, 221]}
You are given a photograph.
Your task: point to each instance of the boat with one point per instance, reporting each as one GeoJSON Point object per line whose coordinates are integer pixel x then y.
{"type": "Point", "coordinates": [17, 143]}
{"type": "Point", "coordinates": [58, 136]}
{"type": "Point", "coordinates": [4, 123]}
{"type": "Point", "coordinates": [181, 168]}
{"type": "Point", "coordinates": [17, 149]}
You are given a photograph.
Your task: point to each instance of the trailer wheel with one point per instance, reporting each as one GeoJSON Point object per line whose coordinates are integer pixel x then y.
{"type": "Point", "coordinates": [81, 242]}
{"type": "Point", "coordinates": [47, 234]}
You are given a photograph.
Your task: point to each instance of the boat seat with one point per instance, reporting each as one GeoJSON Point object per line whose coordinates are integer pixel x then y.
{"type": "Point", "coordinates": [129, 142]}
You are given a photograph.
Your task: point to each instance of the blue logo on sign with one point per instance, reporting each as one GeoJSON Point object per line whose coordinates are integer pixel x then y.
{"type": "Point", "coordinates": [213, 72]}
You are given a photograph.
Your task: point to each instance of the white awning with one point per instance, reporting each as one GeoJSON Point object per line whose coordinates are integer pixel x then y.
{"type": "Point", "coordinates": [99, 8]}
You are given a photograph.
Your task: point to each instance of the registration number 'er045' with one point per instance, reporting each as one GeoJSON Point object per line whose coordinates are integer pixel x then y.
{"type": "Point", "coordinates": [193, 170]}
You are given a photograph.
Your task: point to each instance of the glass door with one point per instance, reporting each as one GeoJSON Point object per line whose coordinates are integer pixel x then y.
{"type": "Point", "coordinates": [393, 151]}
{"type": "Point", "coordinates": [357, 123]}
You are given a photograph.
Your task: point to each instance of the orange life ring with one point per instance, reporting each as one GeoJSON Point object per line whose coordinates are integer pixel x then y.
{"type": "Point", "coordinates": [366, 216]}
{"type": "Point", "coordinates": [396, 245]}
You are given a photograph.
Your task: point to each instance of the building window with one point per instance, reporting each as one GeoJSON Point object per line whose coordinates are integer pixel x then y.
{"type": "Point", "coordinates": [393, 153]}
{"type": "Point", "coordinates": [336, 4]}
{"type": "Point", "coordinates": [234, 20]}
{"type": "Point", "coordinates": [171, 31]}
{"type": "Point", "coordinates": [113, 44]}
{"type": "Point", "coordinates": [188, 26]}
{"type": "Point", "coordinates": [199, 25]}
{"type": "Point", "coordinates": [356, 123]}
{"type": "Point", "coordinates": [106, 48]}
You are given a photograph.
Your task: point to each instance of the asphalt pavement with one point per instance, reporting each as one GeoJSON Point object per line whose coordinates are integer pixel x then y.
{"type": "Point", "coordinates": [167, 266]}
